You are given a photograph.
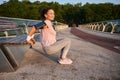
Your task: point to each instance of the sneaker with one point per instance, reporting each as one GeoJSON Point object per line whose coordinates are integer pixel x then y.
{"type": "Point", "coordinates": [65, 61]}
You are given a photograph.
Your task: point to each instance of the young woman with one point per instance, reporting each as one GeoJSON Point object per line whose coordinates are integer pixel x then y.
{"type": "Point", "coordinates": [48, 37]}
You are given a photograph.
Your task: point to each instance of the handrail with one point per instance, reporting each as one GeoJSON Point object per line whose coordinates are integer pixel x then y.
{"type": "Point", "coordinates": [103, 26]}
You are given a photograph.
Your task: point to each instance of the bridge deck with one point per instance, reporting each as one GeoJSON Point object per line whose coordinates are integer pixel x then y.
{"type": "Point", "coordinates": [90, 62]}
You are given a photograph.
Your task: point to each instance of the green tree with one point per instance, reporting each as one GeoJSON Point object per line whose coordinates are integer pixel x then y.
{"type": "Point", "coordinates": [67, 13]}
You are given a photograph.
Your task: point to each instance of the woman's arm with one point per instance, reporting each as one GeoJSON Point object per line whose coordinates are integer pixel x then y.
{"type": "Point", "coordinates": [33, 30]}
{"type": "Point", "coordinates": [30, 37]}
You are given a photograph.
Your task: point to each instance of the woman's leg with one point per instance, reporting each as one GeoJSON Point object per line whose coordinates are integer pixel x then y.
{"type": "Point", "coordinates": [62, 45]}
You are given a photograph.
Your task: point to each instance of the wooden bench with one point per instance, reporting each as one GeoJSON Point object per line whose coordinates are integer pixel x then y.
{"type": "Point", "coordinates": [12, 52]}
{"type": "Point", "coordinates": [6, 26]}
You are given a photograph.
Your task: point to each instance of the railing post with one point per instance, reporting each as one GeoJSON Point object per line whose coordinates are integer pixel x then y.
{"type": "Point", "coordinates": [6, 33]}
{"type": "Point", "coordinates": [113, 28]}
{"type": "Point", "coordinates": [26, 27]}
{"type": "Point", "coordinates": [99, 25]}
{"type": "Point", "coordinates": [104, 27]}
{"type": "Point", "coordinates": [92, 26]}
{"type": "Point", "coordinates": [96, 26]}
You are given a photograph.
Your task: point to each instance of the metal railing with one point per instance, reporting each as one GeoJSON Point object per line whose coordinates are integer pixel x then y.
{"type": "Point", "coordinates": [104, 26]}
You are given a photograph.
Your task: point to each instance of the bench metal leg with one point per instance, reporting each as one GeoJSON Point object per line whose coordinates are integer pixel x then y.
{"type": "Point", "coordinates": [5, 66]}
{"type": "Point", "coordinates": [14, 53]}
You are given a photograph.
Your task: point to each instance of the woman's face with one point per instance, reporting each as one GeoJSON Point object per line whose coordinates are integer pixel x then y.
{"type": "Point", "coordinates": [50, 15]}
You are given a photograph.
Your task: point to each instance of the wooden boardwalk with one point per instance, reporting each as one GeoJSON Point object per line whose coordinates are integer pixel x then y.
{"type": "Point", "coordinates": [90, 62]}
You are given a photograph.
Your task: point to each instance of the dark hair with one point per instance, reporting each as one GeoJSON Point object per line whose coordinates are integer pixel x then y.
{"type": "Point", "coordinates": [43, 12]}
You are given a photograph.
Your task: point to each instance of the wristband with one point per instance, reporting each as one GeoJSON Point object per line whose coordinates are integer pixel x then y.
{"type": "Point", "coordinates": [30, 37]}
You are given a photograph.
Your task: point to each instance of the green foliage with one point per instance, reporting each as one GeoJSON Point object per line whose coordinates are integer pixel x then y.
{"type": "Point", "coordinates": [67, 13]}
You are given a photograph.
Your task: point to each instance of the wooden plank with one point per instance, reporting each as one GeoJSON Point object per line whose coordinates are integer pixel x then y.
{"type": "Point", "coordinates": [19, 40]}
{"type": "Point", "coordinates": [7, 25]}
{"type": "Point", "coordinates": [8, 29]}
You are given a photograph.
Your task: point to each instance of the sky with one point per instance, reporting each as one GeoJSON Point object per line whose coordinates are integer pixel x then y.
{"type": "Point", "coordinates": [74, 1]}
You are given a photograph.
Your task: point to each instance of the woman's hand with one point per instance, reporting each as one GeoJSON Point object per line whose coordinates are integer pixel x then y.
{"type": "Point", "coordinates": [31, 42]}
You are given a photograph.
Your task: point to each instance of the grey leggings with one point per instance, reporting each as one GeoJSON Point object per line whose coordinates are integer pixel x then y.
{"type": "Point", "coordinates": [62, 45]}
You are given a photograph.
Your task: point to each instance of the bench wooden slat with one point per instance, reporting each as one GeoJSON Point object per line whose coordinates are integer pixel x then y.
{"type": "Point", "coordinates": [19, 40]}
{"type": "Point", "coordinates": [7, 25]}
{"type": "Point", "coordinates": [2, 30]}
